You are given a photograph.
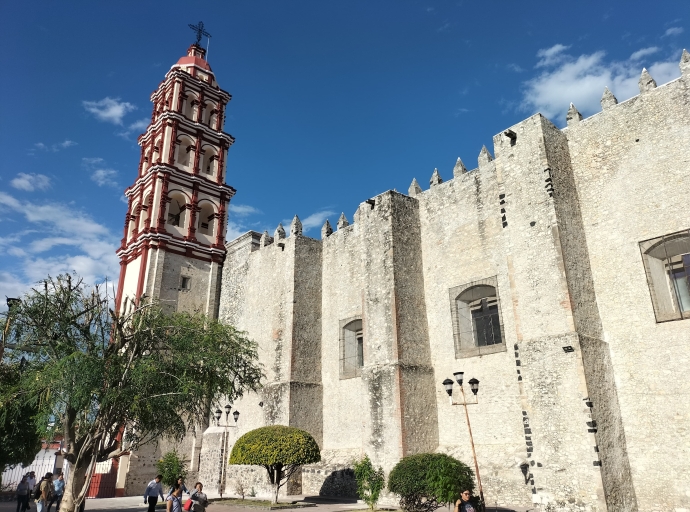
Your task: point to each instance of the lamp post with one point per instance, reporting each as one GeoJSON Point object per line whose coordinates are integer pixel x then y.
{"type": "Point", "coordinates": [224, 443]}
{"type": "Point", "coordinates": [474, 387]}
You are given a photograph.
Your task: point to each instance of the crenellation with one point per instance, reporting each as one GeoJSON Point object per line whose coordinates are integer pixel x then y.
{"type": "Point", "coordinates": [646, 82]}
{"type": "Point", "coordinates": [484, 157]}
{"type": "Point", "coordinates": [342, 222]}
{"type": "Point", "coordinates": [608, 100]}
{"type": "Point", "coordinates": [459, 169]}
{"type": "Point", "coordinates": [279, 233]}
{"type": "Point", "coordinates": [685, 63]}
{"type": "Point", "coordinates": [296, 227]}
{"type": "Point", "coordinates": [326, 229]}
{"type": "Point", "coordinates": [414, 188]}
{"type": "Point", "coordinates": [435, 178]}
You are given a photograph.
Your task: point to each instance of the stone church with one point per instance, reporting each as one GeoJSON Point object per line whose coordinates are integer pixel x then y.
{"type": "Point", "coordinates": [556, 273]}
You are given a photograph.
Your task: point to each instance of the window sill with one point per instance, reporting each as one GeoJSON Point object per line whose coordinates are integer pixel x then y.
{"type": "Point", "coordinates": [481, 351]}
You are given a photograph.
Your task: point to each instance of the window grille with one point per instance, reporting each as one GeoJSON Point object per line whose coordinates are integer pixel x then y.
{"type": "Point", "coordinates": [351, 348]}
{"type": "Point", "coordinates": [666, 262]}
{"type": "Point", "coordinates": [477, 318]}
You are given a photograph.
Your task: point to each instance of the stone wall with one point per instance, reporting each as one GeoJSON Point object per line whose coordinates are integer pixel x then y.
{"type": "Point", "coordinates": [583, 405]}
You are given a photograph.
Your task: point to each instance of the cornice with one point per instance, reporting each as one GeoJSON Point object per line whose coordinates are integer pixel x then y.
{"type": "Point", "coordinates": [192, 126]}
{"type": "Point", "coordinates": [216, 91]}
{"type": "Point", "coordinates": [189, 179]}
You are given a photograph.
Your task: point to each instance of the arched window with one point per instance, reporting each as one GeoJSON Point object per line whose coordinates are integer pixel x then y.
{"type": "Point", "coordinates": [212, 115]}
{"type": "Point", "coordinates": [144, 215]}
{"type": "Point", "coordinates": [184, 159]}
{"type": "Point", "coordinates": [351, 348]}
{"type": "Point", "coordinates": [667, 265]}
{"type": "Point", "coordinates": [207, 220]}
{"type": "Point", "coordinates": [177, 211]}
{"type": "Point", "coordinates": [191, 103]}
{"type": "Point", "coordinates": [209, 162]}
{"type": "Point", "coordinates": [477, 321]}
{"type": "Point", "coordinates": [132, 222]}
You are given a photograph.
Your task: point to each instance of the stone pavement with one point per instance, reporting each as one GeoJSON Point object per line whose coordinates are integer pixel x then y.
{"type": "Point", "coordinates": [136, 504]}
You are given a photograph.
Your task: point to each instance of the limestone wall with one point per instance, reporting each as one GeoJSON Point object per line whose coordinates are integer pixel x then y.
{"type": "Point", "coordinates": [631, 165]}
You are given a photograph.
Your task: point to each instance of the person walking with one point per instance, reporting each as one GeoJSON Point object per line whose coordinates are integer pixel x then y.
{"type": "Point", "coordinates": [174, 500]}
{"type": "Point", "coordinates": [59, 489]}
{"type": "Point", "coordinates": [45, 492]}
{"type": "Point", "coordinates": [32, 483]}
{"type": "Point", "coordinates": [199, 498]}
{"type": "Point", "coordinates": [23, 492]}
{"type": "Point", "coordinates": [180, 482]}
{"type": "Point", "coordinates": [153, 490]}
{"type": "Point", "coordinates": [463, 504]}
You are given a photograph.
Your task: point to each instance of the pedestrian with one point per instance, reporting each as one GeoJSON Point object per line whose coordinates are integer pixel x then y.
{"type": "Point", "coordinates": [180, 482]}
{"type": "Point", "coordinates": [174, 500]}
{"type": "Point", "coordinates": [23, 491]}
{"type": "Point", "coordinates": [464, 504]}
{"type": "Point", "coordinates": [59, 488]}
{"type": "Point", "coordinates": [44, 492]}
{"type": "Point", "coordinates": [32, 481]}
{"type": "Point", "coordinates": [153, 490]}
{"type": "Point", "coordinates": [199, 498]}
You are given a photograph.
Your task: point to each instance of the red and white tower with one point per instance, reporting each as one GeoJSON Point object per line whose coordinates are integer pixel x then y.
{"type": "Point", "coordinates": [173, 246]}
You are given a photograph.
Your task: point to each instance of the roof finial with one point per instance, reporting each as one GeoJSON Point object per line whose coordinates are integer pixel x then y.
{"type": "Point", "coordinates": [414, 188]}
{"type": "Point", "coordinates": [685, 63]}
{"type": "Point", "coordinates": [573, 116]}
{"type": "Point", "coordinates": [199, 29]}
{"type": "Point", "coordinates": [435, 178]}
{"type": "Point", "coordinates": [459, 168]}
{"type": "Point", "coordinates": [279, 232]}
{"type": "Point", "coordinates": [326, 229]}
{"type": "Point", "coordinates": [484, 156]}
{"type": "Point", "coordinates": [646, 83]}
{"type": "Point", "coordinates": [342, 221]}
{"type": "Point", "coordinates": [296, 226]}
{"type": "Point", "coordinates": [608, 100]}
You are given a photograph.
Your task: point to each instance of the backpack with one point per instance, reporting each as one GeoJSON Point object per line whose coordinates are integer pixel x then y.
{"type": "Point", "coordinates": [36, 492]}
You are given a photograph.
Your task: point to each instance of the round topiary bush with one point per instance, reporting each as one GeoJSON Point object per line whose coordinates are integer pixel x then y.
{"type": "Point", "coordinates": [279, 449]}
{"type": "Point", "coordinates": [427, 481]}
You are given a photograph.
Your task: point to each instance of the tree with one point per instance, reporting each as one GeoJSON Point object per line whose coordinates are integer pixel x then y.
{"type": "Point", "coordinates": [428, 481]}
{"type": "Point", "coordinates": [106, 380]}
{"type": "Point", "coordinates": [172, 467]}
{"type": "Point", "coordinates": [280, 450]}
{"type": "Point", "coordinates": [19, 438]}
{"type": "Point", "coordinates": [370, 481]}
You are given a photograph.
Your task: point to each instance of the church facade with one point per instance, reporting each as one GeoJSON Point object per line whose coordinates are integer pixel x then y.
{"type": "Point", "coordinates": [556, 273]}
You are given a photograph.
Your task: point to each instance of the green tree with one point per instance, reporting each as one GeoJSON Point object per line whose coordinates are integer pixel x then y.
{"type": "Point", "coordinates": [280, 450]}
{"type": "Point", "coordinates": [19, 438]}
{"type": "Point", "coordinates": [428, 481]}
{"type": "Point", "coordinates": [109, 382]}
{"type": "Point", "coordinates": [172, 467]}
{"type": "Point", "coordinates": [370, 481]}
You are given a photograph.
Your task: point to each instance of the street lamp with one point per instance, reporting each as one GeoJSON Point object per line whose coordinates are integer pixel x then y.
{"type": "Point", "coordinates": [224, 443]}
{"type": "Point", "coordinates": [474, 387]}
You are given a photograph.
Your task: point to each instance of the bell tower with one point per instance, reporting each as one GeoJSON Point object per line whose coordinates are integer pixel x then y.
{"type": "Point", "coordinates": [173, 246]}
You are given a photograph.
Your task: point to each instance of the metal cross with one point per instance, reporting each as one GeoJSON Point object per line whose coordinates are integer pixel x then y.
{"type": "Point", "coordinates": [199, 29]}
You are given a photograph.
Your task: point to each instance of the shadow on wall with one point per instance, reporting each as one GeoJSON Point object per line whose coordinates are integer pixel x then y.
{"type": "Point", "coordinates": [340, 483]}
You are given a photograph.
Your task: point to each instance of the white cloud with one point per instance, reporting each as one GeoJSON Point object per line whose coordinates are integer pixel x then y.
{"type": "Point", "coordinates": [31, 182]}
{"type": "Point", "coordinates": [673, 31]}
{"type": "Point", "coordinates": [316, 220]}
{"type": "Point", "coordinates": [514, 67]}
{"type": "Point", "coordinates": [443, 28]}
{"type": "Point", "coordinates": [581, 80]}
{"type": "Point", "coordinates": [242, 210]}
{"type": "Point", "coordinates": [551, 56]}
{"type": "Point", "coordinates": [104, 177]}
{"type": "Point", "coordinates": [140, 125]}
{"type": "Point", "coordinates": [110, 110]}
{"type": "Point", "coordinates": [644, 52]}
{"type": "Point", "coordinates": [40, 146]}
{"type": "Point", "coordinates": [91, 161]}
{"type": "Point", "coordinates": [87, 246]}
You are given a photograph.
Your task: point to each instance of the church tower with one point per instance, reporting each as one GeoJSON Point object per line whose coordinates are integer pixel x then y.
{"type": "Point", "coordinates": [173, 245]}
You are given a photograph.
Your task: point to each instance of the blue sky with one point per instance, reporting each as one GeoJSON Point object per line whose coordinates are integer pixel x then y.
{"type": "Point", "coordinates": [333, 102]}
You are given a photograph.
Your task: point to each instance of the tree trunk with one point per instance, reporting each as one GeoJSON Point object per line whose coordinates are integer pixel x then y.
{"type": "Point", "coordinates": [76, 488]}
{"type": "Point", "coordinates": [276, 486]}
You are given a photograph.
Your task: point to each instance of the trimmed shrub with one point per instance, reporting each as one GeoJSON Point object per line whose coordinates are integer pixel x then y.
{"type": "Point", "coordinates": [370, 481]}
{"type": "Point", "coordinates": [171, 466]}
{"type": "Point", "coordinates": [280, 450]}
{"type": "Point", "coordinates": [428, 481]}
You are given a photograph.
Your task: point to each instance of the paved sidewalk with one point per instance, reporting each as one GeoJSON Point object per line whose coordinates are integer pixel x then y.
{"type": "Point", "coordinates": [136, 504]}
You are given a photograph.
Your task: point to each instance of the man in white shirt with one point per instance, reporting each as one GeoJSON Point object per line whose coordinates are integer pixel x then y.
{"type": "Point", "coordinates": [153, 490]}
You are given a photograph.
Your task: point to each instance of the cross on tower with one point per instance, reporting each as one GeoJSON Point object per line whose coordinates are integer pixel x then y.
{"type": "Point", "coordinates": [199, 29]}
